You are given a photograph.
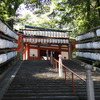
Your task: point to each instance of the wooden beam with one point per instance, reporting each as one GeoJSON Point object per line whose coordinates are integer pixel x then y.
{"type": "Point", "coordinates": [42, 37]}
{"type": "Point", "coordinates": [51, 49]}
{"type": "Point", "coordinates": [46, 43]}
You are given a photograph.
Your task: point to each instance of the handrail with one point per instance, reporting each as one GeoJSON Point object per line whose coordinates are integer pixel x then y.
{"type": "Point", "coordinates": [72, 72]}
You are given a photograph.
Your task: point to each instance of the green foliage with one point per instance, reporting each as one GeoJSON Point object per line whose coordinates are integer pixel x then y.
{"type": "Point", "coordinates": [32, 1]}
{"type": "Point", "coordinates": [42, 9]}
{"type": "Point", "coordinates": [81, 15]}
{"type": "Point", "coordinates": [96, 63]}
{"type": "Point", "coordinates": [8, 10]}
{"type": "Point", "coordinates": [77, 16]}
{"type": "Point", "coordinates": [3, 12]}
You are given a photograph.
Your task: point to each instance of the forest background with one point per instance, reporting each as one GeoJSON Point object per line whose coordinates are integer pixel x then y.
{"type": "Point", "coordinates": [74, 15]}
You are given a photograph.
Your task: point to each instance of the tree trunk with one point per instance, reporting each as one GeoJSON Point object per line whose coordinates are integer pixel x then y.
{"type": "Point", "coordinates": [88, 14]}
{"type": "Point", "coordinates": [98, 5]}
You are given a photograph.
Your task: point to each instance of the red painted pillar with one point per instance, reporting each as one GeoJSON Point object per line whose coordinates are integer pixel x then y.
{"type": "Point", "coordinates": [69, 51]}
{"type": "Point", "coordinates": [38, 52]}
{"type": "Point", "coordinates": [28, 52]}
{"type": "Point", "coordinates": [19, 42]}
{"type": "Point", "coordinates": [27, 56]}
{"type": "Point", "coordinates": [24, 54]}
{"type": "Point", "coordinates": [19, 48]}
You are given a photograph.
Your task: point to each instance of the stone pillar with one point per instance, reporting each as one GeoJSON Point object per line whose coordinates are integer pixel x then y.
{"type": "Point", "coordinates": [60, 67]}
{"type": "Point", "coordinates": [89, 83]}
{"type": "Point", "coordinates": [51, 59]}
{"type": "Point", "coordinates": [47, 55]}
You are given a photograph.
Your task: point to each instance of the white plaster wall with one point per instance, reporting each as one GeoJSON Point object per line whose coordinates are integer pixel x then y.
{"type": "Point", "coordinates": [34, 51]}
{"type": "Point", "coordinates": [64, 54]}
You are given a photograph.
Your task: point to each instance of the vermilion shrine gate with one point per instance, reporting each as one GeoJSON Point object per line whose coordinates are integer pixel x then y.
{"type": "Point", "coordinates": [42, 42]}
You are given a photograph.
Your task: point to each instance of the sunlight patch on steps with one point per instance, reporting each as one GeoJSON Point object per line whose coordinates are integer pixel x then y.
{"type": "Point", "coordinates": [48, 73]}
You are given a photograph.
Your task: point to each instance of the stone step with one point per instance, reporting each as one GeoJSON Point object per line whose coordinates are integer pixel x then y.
{"type": "Point", "coordinates": [85, 97]}
{"type": "Point", "coordinates": [37, 94]}
{"type": "Point", "coordinates": [51, 85]}
{"type": "Point", "coordinates": [47, 84]}
{"type": "Point", "coordinates": [27, 87]}
{"type": "Point", "coordinates": [38, 88]}
{"type": "Point", "coordinates": [42, 84]}
{"type": "Point", "coordinates": [84, 93]}
{"type": "Point", "coordinates": [48, 88]}
{"type": "Point", "coordinates": [43, 98]}
{"type": "Point", "coordinates": [39, 91]}
{"type": "Point", "coordinates": [82, 90]}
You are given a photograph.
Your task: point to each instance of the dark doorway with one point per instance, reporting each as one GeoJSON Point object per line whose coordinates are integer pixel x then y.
{"type": "Point", "coordinates": [56, 54]}
{"type": "Point", "coordinates": [43, 54]}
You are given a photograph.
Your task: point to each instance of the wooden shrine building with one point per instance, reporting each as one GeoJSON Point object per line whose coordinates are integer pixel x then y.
{"type": "Point", "coordinates": [41, 43]}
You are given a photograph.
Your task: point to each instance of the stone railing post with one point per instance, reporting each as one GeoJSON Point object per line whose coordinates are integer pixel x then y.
{"type": "Point", "coordinates": [47, 55]}
{"type": "Point", "coordinates": [60, 67]}
{"type": "Point", "coordinates": [89, 82]}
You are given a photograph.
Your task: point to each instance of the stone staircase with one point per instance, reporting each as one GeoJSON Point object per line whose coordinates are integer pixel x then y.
{"type": "Point", "coordinates": [37, 80]}
{"type": "Point", "coordinates": [80, 89]}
